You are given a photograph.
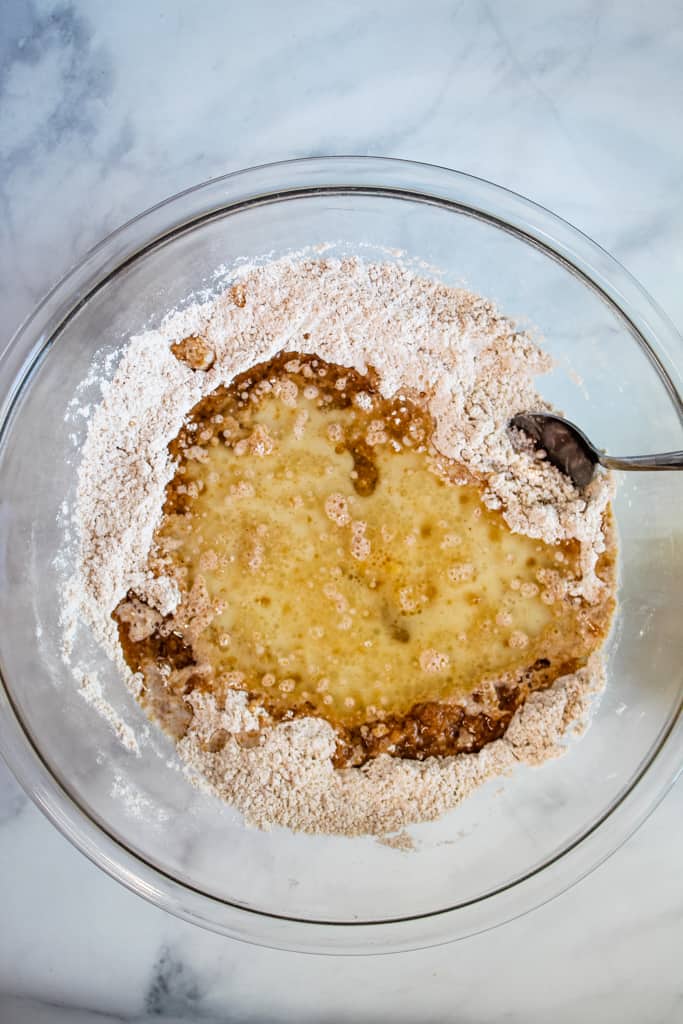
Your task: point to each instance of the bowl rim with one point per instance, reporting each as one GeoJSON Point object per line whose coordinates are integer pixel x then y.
{"type": "Point", "coordinates": [276, 182]}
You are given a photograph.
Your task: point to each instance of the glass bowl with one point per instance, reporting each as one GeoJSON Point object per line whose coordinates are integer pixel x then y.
{"type": "Point", "coordinates": [514, 844]}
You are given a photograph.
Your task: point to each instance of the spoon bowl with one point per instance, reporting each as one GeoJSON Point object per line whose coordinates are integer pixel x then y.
{"type": "Point", "coordinates": [568, 448]}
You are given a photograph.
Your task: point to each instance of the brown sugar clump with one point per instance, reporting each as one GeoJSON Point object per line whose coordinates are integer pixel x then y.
{"type": "Point", "coordinates": [238, 294]}
{"type": "Point", "coordinates": [194, 352]}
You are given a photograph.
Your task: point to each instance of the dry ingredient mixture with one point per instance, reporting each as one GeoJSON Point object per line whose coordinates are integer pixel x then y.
{"type": "Point", "coordinates": [325, 564]}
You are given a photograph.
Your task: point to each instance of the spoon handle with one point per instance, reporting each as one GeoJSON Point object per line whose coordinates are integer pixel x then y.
{"type": "Point", "coordinates": [665, 460]}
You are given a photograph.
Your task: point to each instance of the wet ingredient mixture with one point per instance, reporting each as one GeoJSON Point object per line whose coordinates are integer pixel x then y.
{"type": "Point", "coordinates": [331, 563]}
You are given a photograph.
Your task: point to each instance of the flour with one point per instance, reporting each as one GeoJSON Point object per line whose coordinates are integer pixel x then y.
{"type": "Point", "coordinates": [473, 370]}
{"type": "Point", "coordinates": [289, 780]}
{"type": "Point", "coordinates": [90, 689]}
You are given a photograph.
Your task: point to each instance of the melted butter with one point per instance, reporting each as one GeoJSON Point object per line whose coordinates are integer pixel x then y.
{"type": "Point", "coordinates": [348, 573]}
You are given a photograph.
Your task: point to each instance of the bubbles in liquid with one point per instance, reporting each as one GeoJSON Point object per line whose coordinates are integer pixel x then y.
{"type": "Point", "coordinates": [342, 570]}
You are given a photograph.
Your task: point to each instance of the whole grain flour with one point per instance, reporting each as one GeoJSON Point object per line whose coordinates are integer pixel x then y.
{"type": "Point", "coordinates": [474, 369]}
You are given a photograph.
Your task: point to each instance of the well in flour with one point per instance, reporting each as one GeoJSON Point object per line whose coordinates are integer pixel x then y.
{"type": "Point", "coordinates": [425, 378]}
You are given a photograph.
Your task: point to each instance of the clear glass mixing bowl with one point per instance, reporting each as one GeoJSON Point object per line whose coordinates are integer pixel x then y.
{"type": "Point", "coordinates": [501, 853]}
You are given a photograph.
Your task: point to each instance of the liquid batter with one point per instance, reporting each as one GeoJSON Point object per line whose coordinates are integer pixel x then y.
{"type": "Point", "coordinates": [332, 563]}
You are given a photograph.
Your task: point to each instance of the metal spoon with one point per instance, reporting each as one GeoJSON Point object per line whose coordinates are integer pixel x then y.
{"type": "Point", "coordinates": [569, 449]}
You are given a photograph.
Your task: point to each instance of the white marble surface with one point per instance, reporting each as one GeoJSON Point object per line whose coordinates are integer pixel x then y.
{"type": "Point", "coordinates": [106, 108]}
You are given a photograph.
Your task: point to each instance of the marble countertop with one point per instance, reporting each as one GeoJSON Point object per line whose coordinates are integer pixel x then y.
{"type": "Point", "coordinates": [107, 108]}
